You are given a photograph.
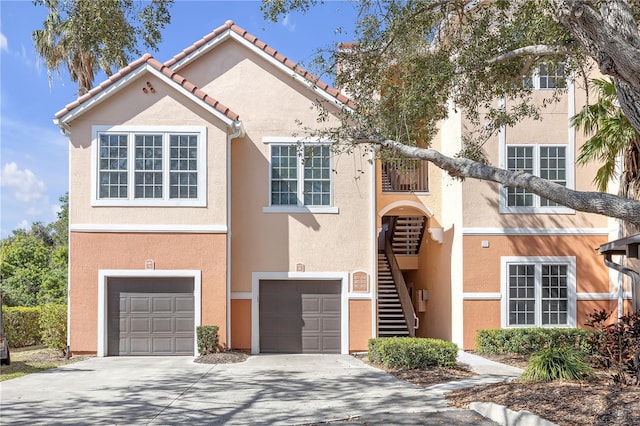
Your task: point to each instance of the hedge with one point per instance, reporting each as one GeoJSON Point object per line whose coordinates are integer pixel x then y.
{"type": "Point", "coordinates": [527, 341]}
{"type": "Point", "coordinates": [21, 326]}
{"type": "Point", "coordinates": [53, 326]}
{"type": "Point", "coordinates": [412, 352]}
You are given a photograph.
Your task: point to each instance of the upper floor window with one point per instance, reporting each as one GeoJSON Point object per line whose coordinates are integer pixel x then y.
{"type": "Point", "coordinates": [547, 76]}
{"type": "Point", "coordinates": [538, 292]}
{"type": "Point", "coordinates": [144, 166]}
{"type": "Point", "coordinates": [546, 161]}
{"type": "Point", "coordinates": [300, 177]}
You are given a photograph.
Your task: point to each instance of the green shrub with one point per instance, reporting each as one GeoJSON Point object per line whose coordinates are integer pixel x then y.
{"type": "Point", "coordinates": [21, 326]}
{"type": "Point", "coordinates": [53, 326]}
{"type": "Point", "coordinates": [207, 339]}
{"type": "Point", "coordinates": [412, 352]}
{"type": "Point", "coordinates": [556, 363]}
{"type": "Point", "coordinates": [527, 341]}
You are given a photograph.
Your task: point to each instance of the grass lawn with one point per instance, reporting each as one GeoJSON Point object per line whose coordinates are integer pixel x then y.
{"type": "Point", "coordinates": [31, 360]}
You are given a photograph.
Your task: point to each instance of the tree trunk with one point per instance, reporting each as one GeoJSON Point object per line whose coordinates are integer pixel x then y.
{"type": "Point", "coordinates": [610, 36]}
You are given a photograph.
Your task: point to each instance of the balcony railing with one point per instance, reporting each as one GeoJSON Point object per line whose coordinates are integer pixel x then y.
{"type": "Point", "coordinates": [405, 175]}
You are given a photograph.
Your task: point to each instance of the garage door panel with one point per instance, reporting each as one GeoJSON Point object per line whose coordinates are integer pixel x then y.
{"type": "Point", "coordinates": [139, 304]}
{"type": "Point", "coordinates": [163, 325]}
{"type": "Point", "coordinates": [312, 325]}
{"type": "Point", "coordinates": [311, 304]}
{"type": "Point", "coordinates": [163, 345]}
{"type": "Point", "coordinates": [184, 304]}
{"type": "Point", "coordinates": [138, 325]}
{"type": "Point", "coordinates": [331, 325]}
{"type": "Point", "coordinates": [294, 316]}
{"type": "Point", "coordinates": [162, 304]}
{"type": "Point", "coordinates": [331, 305]}
{"type": "Point", "coordinates": [139, 346]}
{"type": "Point", "coordinates": [184, 325]}
{"type": "Point", "coordinates": [144, 319]}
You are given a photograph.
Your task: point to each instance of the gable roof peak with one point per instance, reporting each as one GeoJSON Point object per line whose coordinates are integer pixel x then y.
{"type": "Point", "coordinates": [152, 65]}
{"type": "Point", "coordinates": [230, 29]}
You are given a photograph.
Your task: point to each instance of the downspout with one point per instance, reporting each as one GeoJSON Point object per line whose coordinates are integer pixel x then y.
{"type": "Point", "coordinates": [635, 278]}
{"type": "Point", "coordinates": [237, 131]}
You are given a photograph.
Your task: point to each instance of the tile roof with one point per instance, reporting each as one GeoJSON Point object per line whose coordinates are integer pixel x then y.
{"type": "Point", "coordinates": [165, 70]}
{"type": "Point", "coordinates": [231, 26]}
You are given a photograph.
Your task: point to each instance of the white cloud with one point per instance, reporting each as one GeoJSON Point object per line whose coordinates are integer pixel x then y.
{"type": "Point", "coordinates": [23, 225]}
{"type": "Point", "coordinates": [24, 182]}
{"type": "Point", "coordinates": [4, 44]}
{"type": "Point", "coordinates": [288, 23]}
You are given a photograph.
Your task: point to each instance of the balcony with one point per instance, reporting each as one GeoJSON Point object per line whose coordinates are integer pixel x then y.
{"type": "Point", "coordinates": [405, 175]}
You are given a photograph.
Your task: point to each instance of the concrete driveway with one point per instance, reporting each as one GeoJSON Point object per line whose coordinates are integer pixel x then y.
{"type": "Point", "coordinates": [266, 389]}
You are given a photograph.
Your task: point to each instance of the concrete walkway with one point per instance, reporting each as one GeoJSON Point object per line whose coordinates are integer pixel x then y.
{"type": "Point", "coordinates": [266, 389]}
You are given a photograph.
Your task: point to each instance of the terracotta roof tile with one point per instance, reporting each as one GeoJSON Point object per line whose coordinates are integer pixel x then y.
{"type": "Point", "coordinates": [231, 26]}
{"type": "Point", "coordinates": [164, 69]}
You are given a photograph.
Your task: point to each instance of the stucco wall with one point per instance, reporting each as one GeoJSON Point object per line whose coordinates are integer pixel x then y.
{"type": "Point", "coordinates": [269, 103]}
{"type": "Point", "coordinates": [91, 252]}
{"type": "Point", "coordinates": [359, 325]}
{"type": "Point", "coordinates": [131, 107]}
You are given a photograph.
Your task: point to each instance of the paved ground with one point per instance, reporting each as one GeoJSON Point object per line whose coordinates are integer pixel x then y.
{"type": "Point", "coordinates": [266, 389]}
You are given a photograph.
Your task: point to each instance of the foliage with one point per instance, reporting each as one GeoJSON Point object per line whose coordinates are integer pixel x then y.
{"type": "Point", "coordinates": [617, 345]}
{"type": "Point", "coordinates": [526, 341]}
{"type": "Point", "coordinates": [53, 326]}
{"type": "Point", "coordinates": [412, 352]}
{"type": "Point", "coordinates": [612, 136]}
{"type": "Point", "coordinates": [86, 35]}
{"type": "Point", "coordinates": [414, 63]}
{"type": "Point", "coordinates": [21, 326]}
{"type": "Point", "coordinates": [207, 339]}
{"type": "Point", "coordinates": [557, 364]}
{"type": "Point", "coordinates": [33, 263]}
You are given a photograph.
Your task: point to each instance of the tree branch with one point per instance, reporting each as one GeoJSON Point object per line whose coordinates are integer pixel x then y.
{"type": "Point", "coordinates": [534, 50]}
{"type": "Point", "coordinates": [590, 202]}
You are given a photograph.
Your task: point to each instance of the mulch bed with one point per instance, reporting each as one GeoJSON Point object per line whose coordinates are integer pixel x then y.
{"type": "Point", "coordinates": [230, 357]}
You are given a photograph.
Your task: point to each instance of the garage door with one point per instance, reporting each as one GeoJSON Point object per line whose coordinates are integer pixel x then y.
{"type": "Point", "coordinates": [150, 316]}
{"type": "Point", "coordinates": [300, 316]}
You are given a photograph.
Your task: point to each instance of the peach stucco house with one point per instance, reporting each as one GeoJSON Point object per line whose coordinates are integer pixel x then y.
{"type": "Point", "coordinates": [193, 203]}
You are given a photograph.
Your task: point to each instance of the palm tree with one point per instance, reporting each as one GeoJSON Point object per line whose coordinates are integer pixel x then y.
{"type": "Point", "coordinates": [87, 35]}
{"type": "Point", "coordinates": [612, 136]}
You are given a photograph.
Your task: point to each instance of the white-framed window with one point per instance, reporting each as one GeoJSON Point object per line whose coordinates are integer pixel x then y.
{"type": "Point", "coordinates": [546, 76]}
{"type": "Point", "coordinates": [549, 162]}
{"type": "Point", "coordinates": [538, 291]}
{"type": "Point", "coordinates": [300, 176]}
{"type": "Point", "coordinates": [149, 166]}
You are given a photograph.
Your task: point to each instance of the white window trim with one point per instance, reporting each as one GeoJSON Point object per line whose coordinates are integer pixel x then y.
{"type": "Point", "coordinates": [307, 141]}
{"type": "Point", "coordinates": [570, 261]}
{"type": "Point", "coordinates": [536, 208]}
{"type": "Point", "coordinates": [535, 81]}
{"type": "Point", "coordinates": [200, 201]}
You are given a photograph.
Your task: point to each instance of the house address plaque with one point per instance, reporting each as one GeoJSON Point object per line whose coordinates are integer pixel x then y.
{"type": "Point", "coordinates": [360, 282]}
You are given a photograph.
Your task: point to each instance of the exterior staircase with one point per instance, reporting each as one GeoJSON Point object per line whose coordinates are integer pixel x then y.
{"type": "Point", "coordinates": [391, 319]}
{"type": "Point", "coordinates": [407, 234]}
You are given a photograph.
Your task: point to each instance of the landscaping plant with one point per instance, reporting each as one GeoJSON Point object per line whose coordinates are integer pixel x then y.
{"type": "Point", "coordinates": [412, 352]}
{"type": "Point", "coordinates": [527, 341]}
{"type": "Point", "coordinates": [617, 345]}
{"type": "Point", "coordinates": [207, 339]}
{"type": "Point", "coordinates": [53, 326]}
{"type": "Point", "coordinates": [555, 364]}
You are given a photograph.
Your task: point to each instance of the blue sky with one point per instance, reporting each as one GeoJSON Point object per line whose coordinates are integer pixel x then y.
{"type": "Point", "coordinates": [34, 163]}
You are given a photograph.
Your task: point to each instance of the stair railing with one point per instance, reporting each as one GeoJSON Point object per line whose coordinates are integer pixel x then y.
{"type": "Point", "coordinates": [403, 293]}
